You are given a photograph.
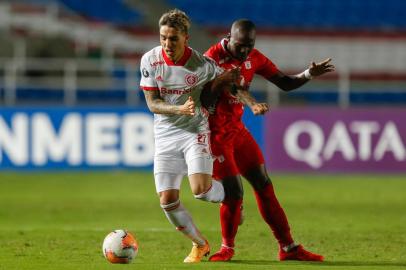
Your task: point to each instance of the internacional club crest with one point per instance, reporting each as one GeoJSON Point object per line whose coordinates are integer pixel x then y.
{"type": "Point", "coordinates": [191, 79]}
{"type": "Point", "coordinates": [145, 73]}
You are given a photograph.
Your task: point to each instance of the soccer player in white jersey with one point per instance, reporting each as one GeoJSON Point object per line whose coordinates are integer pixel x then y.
{"type": "Point", "coordinates": [173, 78]}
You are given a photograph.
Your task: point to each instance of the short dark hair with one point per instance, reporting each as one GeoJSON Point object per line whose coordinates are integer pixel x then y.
{"type": "Point", "coordinates": [244, 24]}
{"type": "Point", "coordinates": [177, 19]}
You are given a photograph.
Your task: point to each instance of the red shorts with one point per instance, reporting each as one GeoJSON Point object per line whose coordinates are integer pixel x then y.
{"type": "Point", "coordinates": [236, 155]}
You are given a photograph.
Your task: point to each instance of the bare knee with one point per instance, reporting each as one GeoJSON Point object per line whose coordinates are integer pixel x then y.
{"type": "Point", "coordinates": [168, 196]}
{"type": "Point", "coordinates": [214, 192]}
{"type": "Point", "coordinates": [200, 183]}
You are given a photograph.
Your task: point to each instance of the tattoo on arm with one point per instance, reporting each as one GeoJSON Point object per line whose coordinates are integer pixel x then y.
{"type": "Point", "coordinates": [157, 105]}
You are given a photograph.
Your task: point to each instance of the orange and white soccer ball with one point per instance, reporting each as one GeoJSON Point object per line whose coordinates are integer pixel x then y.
{"type": "Point", "coordinates": [120, 246]}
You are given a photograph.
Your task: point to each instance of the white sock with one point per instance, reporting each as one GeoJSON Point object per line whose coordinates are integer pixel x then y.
{"type": "Point", "coordinates": [214, 194]}
{"type": "Point", "coordinates": [181, 219]}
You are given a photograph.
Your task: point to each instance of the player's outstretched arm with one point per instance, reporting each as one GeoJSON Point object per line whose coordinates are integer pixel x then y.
{"type": "Point", "coordinates": [321, 68]}
{"type": "Point", "coordinates": [291, 82]}
{"type": "Point", "coordinates": [157, 105]}
{"type": "Point", "coordinates": [257, 108]}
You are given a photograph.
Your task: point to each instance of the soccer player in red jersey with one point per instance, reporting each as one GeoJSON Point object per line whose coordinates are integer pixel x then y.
{"type": "Point", "coordinates": [236, 152]}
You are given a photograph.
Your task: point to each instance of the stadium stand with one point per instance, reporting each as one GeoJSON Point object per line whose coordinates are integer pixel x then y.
{"type": "Point", "coordinates": [332, 15]}
{"type": "Point", "coordinates": [93, 48]}
{"type": "Point", "coordinates": [113, 11]}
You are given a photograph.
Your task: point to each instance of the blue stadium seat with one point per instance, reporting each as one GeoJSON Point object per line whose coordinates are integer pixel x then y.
{"type": "Point", "coordinates": [301, 14]}
{"type": "Point", "coordinates": [114, 11]}
{"type": "Point", "coordinates": [111, 96]}
{"type": "Point", "coordinates": [37, 96]}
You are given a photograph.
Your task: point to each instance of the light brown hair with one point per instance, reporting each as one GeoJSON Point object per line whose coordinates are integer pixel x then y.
{"type": "Point", "coordinates": [177, 19]}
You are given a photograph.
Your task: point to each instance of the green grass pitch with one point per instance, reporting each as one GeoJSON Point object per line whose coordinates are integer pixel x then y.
{"type": "Point", "coordinates": [58, 221]}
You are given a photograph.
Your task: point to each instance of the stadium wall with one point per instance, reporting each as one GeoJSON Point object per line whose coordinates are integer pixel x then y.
{"type": "Point", "coordinates": [294, 139]}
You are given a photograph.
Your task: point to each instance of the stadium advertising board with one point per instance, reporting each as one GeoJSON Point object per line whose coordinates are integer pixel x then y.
{"type": "Point", "coordinates": [56, 138]}
{"type": "Point", "coordinates": [333, 140]}
{"type": "Point", "coordinates": [82, 138]}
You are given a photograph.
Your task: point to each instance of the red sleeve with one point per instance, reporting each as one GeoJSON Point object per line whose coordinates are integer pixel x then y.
{"type": "Point", "coordinates": [266, 68]}
{"type": "Point", "coordinates": [213, 52]}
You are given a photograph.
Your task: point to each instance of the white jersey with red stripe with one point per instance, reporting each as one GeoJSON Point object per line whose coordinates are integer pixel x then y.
{"type": "Point", "coordinates": [175, 83]}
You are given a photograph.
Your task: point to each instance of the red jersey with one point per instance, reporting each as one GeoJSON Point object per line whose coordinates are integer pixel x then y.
{"type": "Point", "coordinates": [226, 121]}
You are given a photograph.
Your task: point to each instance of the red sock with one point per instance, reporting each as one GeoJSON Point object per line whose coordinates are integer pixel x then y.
{"type": "Point", "coordinates": [273, 214]}
{"type": "Point", "coordinates": [230, 214]}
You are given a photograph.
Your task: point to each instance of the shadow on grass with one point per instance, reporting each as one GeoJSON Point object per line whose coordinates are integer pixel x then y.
{"type": "Point", "coordinates": [357, 263]}
{"type": "Point", "coordinates": [254, 262]}
{"type": "Point", "coordinates": [326, 263]}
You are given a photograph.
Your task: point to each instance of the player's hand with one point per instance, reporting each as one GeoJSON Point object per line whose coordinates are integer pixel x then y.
{"type": "Point", "coordinates": [321, 68]}
{"type": "Point", "coordinates": [188, 108]}
{"type": "Point", "coordinates": [226, 80]}
{"type": "Point", "coordinates": [230, 76]}
{"type": "Point", "coordinates": [259, 108]}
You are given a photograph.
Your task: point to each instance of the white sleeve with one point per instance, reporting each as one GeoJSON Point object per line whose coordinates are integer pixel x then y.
{"type": "Point", "coordinates": [148, 81]}
{"type": "Point", "coordinates": [213, 70]}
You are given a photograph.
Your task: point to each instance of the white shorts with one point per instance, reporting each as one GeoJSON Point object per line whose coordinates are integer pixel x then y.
{"type": "Point", "coordinates": [175, 158]}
